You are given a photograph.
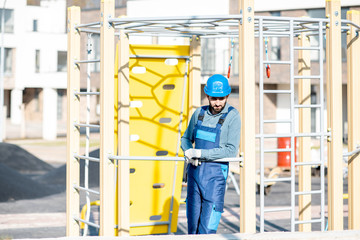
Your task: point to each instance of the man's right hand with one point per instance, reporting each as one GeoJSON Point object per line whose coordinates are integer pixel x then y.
{"type": "Point", "coordinates": [192, 156]}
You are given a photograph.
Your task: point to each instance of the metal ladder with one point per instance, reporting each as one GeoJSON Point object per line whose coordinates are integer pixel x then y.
{"type": "Point", "coordinates": [292, 134]}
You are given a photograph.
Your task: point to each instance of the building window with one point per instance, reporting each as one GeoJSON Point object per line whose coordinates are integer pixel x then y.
{"type": "Point", "coordinates": [313, 110]}
{"type": "Point", "coordinates": [274, 43]}
{"type": "Point", "coordinates": [35, 25]}
{"type": "Point", "coordinates": [36, 99]}
{"type": "Point", "coordinates": [95, 53]}
{"type": "Point", "coordinates": [235, 60]}
{"type": "Point", "coordinates": [9, 20]}
{"type": "Point", "coordinates": [208, 55]}
{"type": "Point", "coordinates": [33, 2]}
{"type": "Point", "coordinates": [344, 10]}
{"type": "Point", "coordinates": [61, 94]}
{"type": "Point", "coordinates": [314, 40]}
{"type": "Point", "coordinates": [120, 3]}
{"type": "Point", "coordinates": [37, 61]}
{"type": "Point", "coordinates": [90, 5]}
{"type": "Point", "coordinates": [62, 61]}
{"type": "Point", "coordinates": [7, 60]}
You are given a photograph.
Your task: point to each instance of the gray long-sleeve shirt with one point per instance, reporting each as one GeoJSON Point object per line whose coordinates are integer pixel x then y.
{"type": "Point", "coordinates": [229, 137]}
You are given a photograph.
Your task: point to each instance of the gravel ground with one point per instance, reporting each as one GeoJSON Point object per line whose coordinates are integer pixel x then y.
{"type": "Point", "coordinates": [31, 189]}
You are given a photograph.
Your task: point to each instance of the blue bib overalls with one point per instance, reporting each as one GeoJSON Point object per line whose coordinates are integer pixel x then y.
{"type": "Point", "coordinates": [206, 182]}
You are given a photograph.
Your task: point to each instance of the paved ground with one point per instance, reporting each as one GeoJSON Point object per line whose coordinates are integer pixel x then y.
{"type": "Point", "coordinates": [45, 217]}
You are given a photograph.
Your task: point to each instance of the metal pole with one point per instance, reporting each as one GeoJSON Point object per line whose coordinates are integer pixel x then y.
{"type": "Point", "coordinates": [322, 157]}
{"type": "Point", "coordinates": [2, 70]}
{"type": "Point", "coordinates": [87, 142]}
{"type": "Point", "coordinates": [292, 103]}
{"type": "Point", "coordinates": [151, 158]}
{"type": "Point", "coordinates": [261, 128]}
{"type": "Point", "coordinates": [178, 143]}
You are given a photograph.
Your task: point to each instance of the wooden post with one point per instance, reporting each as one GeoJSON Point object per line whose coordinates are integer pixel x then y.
{"type": "Point", "coordinates": [123, 137]}
{"type": "Point", "coordinates": [73, 133]}
{"type": "Point", "coordinates": [107, 167]}
{"type": "Point", "coordinates": [247, 108]}
{"type": "Point", "coordinates": [304, 89]}
{"type": "Point", "coordinates": [334, 115]}
{"type": "Point", "coordinates": [353, 90]}
{"type": "Point", "coordinates": [194, 75]}
{"type": "Point", "coordinates": [116, 136]}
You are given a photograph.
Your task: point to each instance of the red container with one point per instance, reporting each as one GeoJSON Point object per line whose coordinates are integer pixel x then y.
{"type": "Point", "coordinates": [284, 158]}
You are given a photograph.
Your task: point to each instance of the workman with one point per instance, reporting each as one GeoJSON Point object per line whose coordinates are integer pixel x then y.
{"type": "Point", "coordinates": [215, 130]}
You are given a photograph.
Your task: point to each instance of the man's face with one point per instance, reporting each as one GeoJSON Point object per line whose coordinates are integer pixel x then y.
{"type": "Point", "coordinates": [216, 103]}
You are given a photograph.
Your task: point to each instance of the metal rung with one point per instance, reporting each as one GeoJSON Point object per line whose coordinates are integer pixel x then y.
{"type": "Point", "coordinates": [86, 125]}
{"type": "Point", "coordinates": [159, 56]}
{"type": "Point", "coordinates": [87, 158]}
{"type": "Point", "coordinates": [307, 163]}
{"type": "Point", "coordinates": [307, 48]}
{"type": "Point", "coordinates": [87, 25]}
{"type": "Point", "coordinates": [277, 209]}
{"type": "Point", "coordinates": [149, 224]}
{"type": "Point", "coordinates": [308, 106]}
{"type": "Point", "coordinates": [87, 30]}
{"type": "Point", "coordinates": [276, 62]}
{"type": "Point", "coordinates": [86, 189]}
{"type": "Point", "coordinates": [277, 34]}
{"type": "Point", "coordinates": [308, 192]}
{"type": "Point", "coordinates": [147, 158]}
{"type": "Point", "coordinates": [309, 221]}
{"type": "Point", "coordinates": [278, 180]}
{"type": "Point", "coordinates": [272, 135]}
{"type": "Point", "coordinates": [306, 77]}
{"type": "Point", "coordinates": [86, 222]}
{"type": "Point", "coordinates": [290, 135]}
{"type": "Point", "coordinates": [278, 91]}
{"type": "Point", "coordinates": [278, 150]}
{"type": "Point", "coordinates": [273, 35]}
{"type": "Point", "coordinates": [312, 134]}
{"type": "Point", "coordinates": [86, 61]}
{"type": "Point", "coordinates": [86, 93]}
{"type": "Point", "coordinates": [347, 154]}
{"type": "Point", "coordinates": [278, 121]}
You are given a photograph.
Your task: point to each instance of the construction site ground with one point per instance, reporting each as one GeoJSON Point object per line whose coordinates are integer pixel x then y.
{"type": "Point", "coordinates": [33, 197]}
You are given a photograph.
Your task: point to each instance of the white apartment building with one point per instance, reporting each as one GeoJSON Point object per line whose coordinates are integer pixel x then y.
{"type": "Point", "coordinates": [35, 44]}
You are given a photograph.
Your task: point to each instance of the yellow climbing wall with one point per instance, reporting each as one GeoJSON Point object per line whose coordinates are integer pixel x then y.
{"type": "Point", "coordinates": [156, 92]}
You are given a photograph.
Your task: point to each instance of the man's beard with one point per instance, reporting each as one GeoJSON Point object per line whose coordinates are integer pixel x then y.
{"type": "Point", "coordinates": [212, 109]}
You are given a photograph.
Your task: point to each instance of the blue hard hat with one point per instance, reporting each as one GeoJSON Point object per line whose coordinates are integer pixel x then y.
{"type": "Point", "coordinates": [217, 86]}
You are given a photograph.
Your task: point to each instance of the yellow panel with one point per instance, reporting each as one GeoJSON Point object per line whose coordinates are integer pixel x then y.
{"type": "Point", "coordinates": [168, 50]}
{"type": "Point", "coordinates": [160, 90]}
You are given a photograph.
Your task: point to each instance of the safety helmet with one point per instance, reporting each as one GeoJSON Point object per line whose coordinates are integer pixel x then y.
{"type": "Point", "coordinates": [217, 86]}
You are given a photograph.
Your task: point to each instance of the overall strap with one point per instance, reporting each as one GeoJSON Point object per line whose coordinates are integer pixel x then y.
{"type": "Point", "coordinates": [201, 114]}
{"type": "Point", "coordinates": [200, 120]}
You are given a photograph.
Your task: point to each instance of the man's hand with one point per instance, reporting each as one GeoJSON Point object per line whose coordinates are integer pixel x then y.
{"type": "Point", "coordinates": [192, 156]}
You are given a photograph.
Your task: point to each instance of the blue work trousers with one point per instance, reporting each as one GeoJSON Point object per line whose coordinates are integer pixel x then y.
{"type": "Point", "coordinates": [205, 196]}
